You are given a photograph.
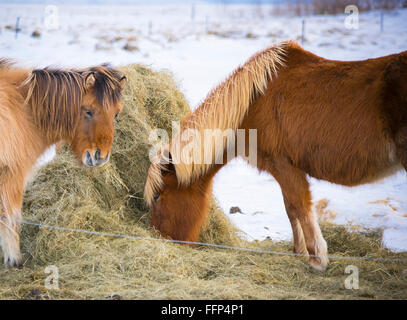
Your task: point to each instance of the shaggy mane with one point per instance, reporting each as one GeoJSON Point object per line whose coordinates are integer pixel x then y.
{"type": "Point", "coordinates": [224, 108]}
{"type": "Point", "coordinates": [108, 85]}
{"type": "Point", "coordinates": [6, 63]}
{"type": "Point", "coordinates": [55, 96]}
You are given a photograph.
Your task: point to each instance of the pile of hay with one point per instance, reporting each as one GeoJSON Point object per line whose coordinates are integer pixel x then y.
{"type": "Point", "coordinates": [110, 199]}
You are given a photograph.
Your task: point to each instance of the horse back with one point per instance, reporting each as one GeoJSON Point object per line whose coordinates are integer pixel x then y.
{"type": "Point", "coordinates": [335, 120]}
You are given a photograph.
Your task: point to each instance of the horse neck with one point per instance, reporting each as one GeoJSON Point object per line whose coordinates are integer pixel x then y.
{"type": "Point", "coordinates": [205, 182]}
{"type": "Point", "coordinates": [28, 134]}
{"type": "Point", "coordinates": [54, 124]}
{"type": "Point", "coordinates": [51, 136]}
{"type": "Point", "coordinates": [15, 78]}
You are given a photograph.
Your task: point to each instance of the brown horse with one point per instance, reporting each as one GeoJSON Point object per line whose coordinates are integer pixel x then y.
{"type": "Point", "coordinates": [344, 122]}
{"type": "Point", "coordinates": [39, 108]}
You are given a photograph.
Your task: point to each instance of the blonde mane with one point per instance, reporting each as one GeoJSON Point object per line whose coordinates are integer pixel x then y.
{"type": "Point", "coordinates": [56, 95]}
{"type": "Point", "coordinates": [224, 108]}
{"type": "Point", "coordinates": [6, 63]}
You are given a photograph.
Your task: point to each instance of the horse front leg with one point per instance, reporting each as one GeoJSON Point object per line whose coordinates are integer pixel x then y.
{"type": "Point", "coordinates": [266, 163]}
{"type": "Point", "coordinates": [10, 216]}
{"type": "Point", "coordinates": [298, 204]}
{"type": "Point", "coordinates": [300, 246]}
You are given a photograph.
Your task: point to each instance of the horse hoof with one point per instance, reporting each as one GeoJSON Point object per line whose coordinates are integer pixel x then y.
{"type": "Point", "coordinates": [13, 263]}
{"type": "Point", "coordinates": [319, 264]}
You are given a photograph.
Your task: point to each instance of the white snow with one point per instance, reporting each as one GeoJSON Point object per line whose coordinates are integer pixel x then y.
{"type": "Point", "coordinates": [203, 51]}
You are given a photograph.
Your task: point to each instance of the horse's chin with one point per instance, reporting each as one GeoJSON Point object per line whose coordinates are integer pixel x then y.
{"type": "Point", "coordinates": [102, 164]}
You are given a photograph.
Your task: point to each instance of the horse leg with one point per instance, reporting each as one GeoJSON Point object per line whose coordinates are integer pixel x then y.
{"type": "Point", "coordinates": [297, 200]}
{"type": "Point", "coordinates": [264, 163]}
{"type": "Point", "coordinates": [298, 235]}
{"type": "Point", "coordinates": [10, 217]}
{"type": "Point", "coordinates": [401, 147]}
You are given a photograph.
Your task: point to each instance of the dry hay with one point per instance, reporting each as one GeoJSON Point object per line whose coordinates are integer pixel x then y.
{"type": "Point", "coordinates": [110, 200]}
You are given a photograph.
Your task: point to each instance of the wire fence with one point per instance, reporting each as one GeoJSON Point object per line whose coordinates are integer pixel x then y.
{"type": "Point", "coordinates": [213, 245]}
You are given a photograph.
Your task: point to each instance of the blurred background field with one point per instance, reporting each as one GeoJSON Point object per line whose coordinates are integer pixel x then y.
{"type": "Point", "coordinates": [200, 43]}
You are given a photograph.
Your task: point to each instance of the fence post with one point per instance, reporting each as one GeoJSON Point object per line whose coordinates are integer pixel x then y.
{"type": "Point", "coordinates": [303, 32]}
{"type": "Point", "coordinates": [193, 12]}
{"type": "Point", "coordinates": [17, 26]}
{"type": "Point", "coordinates": [381, 21]}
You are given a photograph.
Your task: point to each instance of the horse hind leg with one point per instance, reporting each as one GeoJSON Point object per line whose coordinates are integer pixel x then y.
{"type": "Point", "coordinates": [297, 200]}
{"type": "Point", "coordinates": [401, 146]}
{"type": "Point", "coordinates": [10, 217]}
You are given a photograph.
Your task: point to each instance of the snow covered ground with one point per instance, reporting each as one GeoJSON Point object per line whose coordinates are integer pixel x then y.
{"type": "Point", "coordinates": [201, 45]}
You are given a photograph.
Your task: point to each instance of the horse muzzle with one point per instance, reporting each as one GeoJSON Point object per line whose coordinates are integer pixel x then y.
{"type": "Point", "coordinates": [94, 159]}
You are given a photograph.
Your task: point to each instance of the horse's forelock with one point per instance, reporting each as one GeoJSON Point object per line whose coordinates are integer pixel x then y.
{"type": "Point", "coordinates": [154, 182]}
{"type": "Point", "coordinates": [108, 85]}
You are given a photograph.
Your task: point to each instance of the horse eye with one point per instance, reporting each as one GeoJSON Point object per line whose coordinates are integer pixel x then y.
{"type": "Point", "coordinates": [89, 113]}
{"type": "Point", "coordinates": [116, 116]}
{"type": "Point", "coordinates": [156, 196]}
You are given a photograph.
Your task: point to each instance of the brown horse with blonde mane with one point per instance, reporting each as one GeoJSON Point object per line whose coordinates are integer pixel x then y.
{"type": "Point", "coordinates": [39, 108]}
{"type": "Point", "coordinates": [340, 121]}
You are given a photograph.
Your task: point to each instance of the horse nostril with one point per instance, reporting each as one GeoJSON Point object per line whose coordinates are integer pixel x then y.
{"type": "Point", "coordinates": [88, 160]}
{"type": "Point", "coordinates": [97, 155]}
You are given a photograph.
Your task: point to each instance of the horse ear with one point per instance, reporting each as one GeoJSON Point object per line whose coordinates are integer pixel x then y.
{"type": "Point", "coordinates": [90, 81]}
{"type": "Point", "coordinates": [169, 168]}
{"type": "Point", "coordinates": [123, 82]}
{"type": "Point", "coordinates": [169, 165]}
